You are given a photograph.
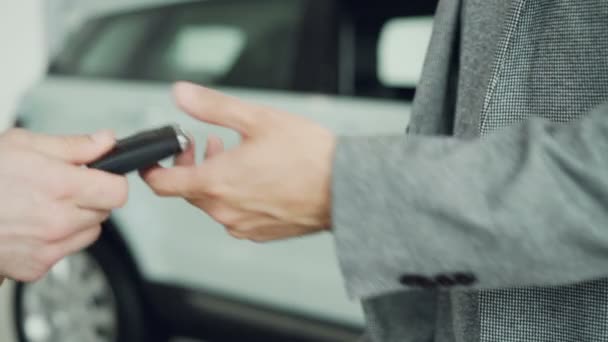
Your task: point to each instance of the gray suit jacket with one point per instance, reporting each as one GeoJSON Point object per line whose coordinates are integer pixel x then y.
{"type": "Point", "coordinates": [489, 221]}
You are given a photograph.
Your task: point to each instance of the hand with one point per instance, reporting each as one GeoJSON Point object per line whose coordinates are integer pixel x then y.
{"type": "Point", "coordinates": [274, 185]}
{"type": "Point", "coordinates": [50, 206]}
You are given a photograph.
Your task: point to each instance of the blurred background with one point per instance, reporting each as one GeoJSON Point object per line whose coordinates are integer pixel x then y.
{"type": "Point", "coordinates": [163, 271]}
{"type": "Point", "coordinates": [33, 31]}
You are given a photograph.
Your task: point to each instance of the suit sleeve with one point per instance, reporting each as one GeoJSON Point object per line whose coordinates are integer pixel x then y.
{"type": "Point", "coordinates": [527, 205]}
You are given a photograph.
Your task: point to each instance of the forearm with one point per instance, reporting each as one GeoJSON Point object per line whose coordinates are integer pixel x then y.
{"type": "Point", "coordinates": [528, 205]}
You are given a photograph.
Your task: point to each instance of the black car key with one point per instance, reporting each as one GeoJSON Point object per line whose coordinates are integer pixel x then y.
{"type": "Point", "coordinates": [143, 150]}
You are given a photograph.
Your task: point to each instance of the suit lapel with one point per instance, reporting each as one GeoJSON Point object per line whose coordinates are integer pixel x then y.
{"type": "Point", "coordinates": [435, 106]}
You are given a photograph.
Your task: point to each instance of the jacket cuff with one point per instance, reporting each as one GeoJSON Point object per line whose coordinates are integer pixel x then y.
{"type": "Point", "coordinates": [355, 196]}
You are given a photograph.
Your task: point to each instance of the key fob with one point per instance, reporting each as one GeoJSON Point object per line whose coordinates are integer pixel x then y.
{"type": "Point", "coordinates": [143, 150]}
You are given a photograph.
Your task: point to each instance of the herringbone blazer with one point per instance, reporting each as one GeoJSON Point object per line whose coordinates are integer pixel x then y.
{"type": "Point", "coordinates": [489, 220]}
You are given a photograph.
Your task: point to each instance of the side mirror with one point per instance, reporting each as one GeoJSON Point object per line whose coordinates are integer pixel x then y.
{"type": "Point", "coordinates": [402, 50]}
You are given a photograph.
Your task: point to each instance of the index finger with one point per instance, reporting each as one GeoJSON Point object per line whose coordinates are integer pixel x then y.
{"type": "Point", "coordinates": [99, 190]}
{"type": "Point", "coordinates": [216, 108]}
{"type": "Point", "coordinates": [170, 182]}
{"type": "Point", "coordinates": [77, 149]}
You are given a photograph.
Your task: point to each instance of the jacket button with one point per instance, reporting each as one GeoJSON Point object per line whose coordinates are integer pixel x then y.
{"type": "Point", "coordinates": [445, 280]}
{"type": "Point", "coordinates": [465, 278]}
{"type": "Point", "coordinates": [417, 281]}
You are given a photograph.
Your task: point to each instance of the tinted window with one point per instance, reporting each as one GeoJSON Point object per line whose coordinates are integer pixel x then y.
{"type": "Point", "coordinates": [230, 43]}
{"type": "Point", "coordinates": [339, 47]}
{"type": "Point", "coordinates": [203, 52]}
{"type": "Point", "coordinates": [402, 50]}
{"type": "Point", "coordinates": [382, 48]}
{"type": "Point", "coordinates": [106, 47]}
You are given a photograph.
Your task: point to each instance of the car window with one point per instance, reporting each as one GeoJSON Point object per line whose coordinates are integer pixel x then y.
{"type": "Point", "coordinates": [189, 52]}
{"type": "Point", "coordinates": [238, 43]}
{"type": "Point", "coordinates": [232, 43]}
{"type": "Point", "coordinates": [338, 47]}
{"type": "Point", "coordinates": [382, 48]}
{"type": "Point", "coordinates": [402, 49]}
{"type": "Point", "coordinates": [118, 40]}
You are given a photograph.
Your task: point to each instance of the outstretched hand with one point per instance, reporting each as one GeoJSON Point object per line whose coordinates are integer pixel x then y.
{"type": "Point", "coordinates": [274, 185]}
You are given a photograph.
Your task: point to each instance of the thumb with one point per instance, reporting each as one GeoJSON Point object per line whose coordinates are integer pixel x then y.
{"type": "Point", "coordinates": [77, 149]}
{"type": "Point", "coordinates": [175, 181]}
{"type": "Point", "coordinates": [216, 108]}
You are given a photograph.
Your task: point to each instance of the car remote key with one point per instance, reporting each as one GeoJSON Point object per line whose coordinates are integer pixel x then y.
{"type": "Point", "coordinates": [143, 150]}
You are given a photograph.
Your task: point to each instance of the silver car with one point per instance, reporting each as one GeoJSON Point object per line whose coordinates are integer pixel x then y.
{"type": "Point", "coordinates": [162, 268]}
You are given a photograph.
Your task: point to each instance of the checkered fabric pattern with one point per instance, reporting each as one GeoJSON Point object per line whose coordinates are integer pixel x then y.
{"type": "Point", "coordinates": [545, 51]}
{"type": "Point", "coordinates": [538, 73]}
{"type": "Point", "coordinates": [567, 313]}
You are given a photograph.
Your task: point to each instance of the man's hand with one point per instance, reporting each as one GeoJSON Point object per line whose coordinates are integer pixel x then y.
{"type": "Point", "coordinates": [50, 206]}
{"type": "Point", "coordinates": [275, 185]}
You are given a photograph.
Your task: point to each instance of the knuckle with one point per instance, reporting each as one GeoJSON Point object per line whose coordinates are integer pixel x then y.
{"type": "Point", "coordinates": [90, 237]}
{"type": "Point", "coordinates": [62, 191]}
{"type": "Point", "coordinates": [47, 257]}
{"type": "Point", "coordinates": [72, 141]}
{"type": "Point", "coordinates": [252, 120]}
{"type": "Point", "coordinates": [74, 146]}
{"type": "Point", "coordinates": [160, 191]}
{"type": "Point", "coordinates": [113, 189]}
{"type": "Point", "coordinates": [121, 192]}
{"type": "Point", "coordinates": [158, 187]}
{"type": "Point", "coordinates": [33, 276]}
{"type": "Point", "coordinates": [40, 258]}
{"type": "Point", "coordinates": [43, 234]}
{"type": "Point", "coordinates": [60, 224]}
{"type": "Point", "coordinates": [191, 186]}
{"type": "Point", "coordinates": [235, 233]}
{"type": "Point", "coordinates": [95, 234]}
{"type": "Point", "coordinates": [38, 233]}
{"type": "Point", "coordinates": [51, 224]}
{"type": "Point", "coordinates": [211, 189]}
{"type": "Point", "coordinates": [54, 231]}
{"type": "Point", "coordinates": [213, 193]}
{"type": "Point", "coordinates": [224, 216]}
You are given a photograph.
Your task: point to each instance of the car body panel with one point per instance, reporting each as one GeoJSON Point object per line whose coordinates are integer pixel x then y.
{"type": "Point", "coordinates": [328, 53]}
{"type": "Point", "coordinates": [176, 243]}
